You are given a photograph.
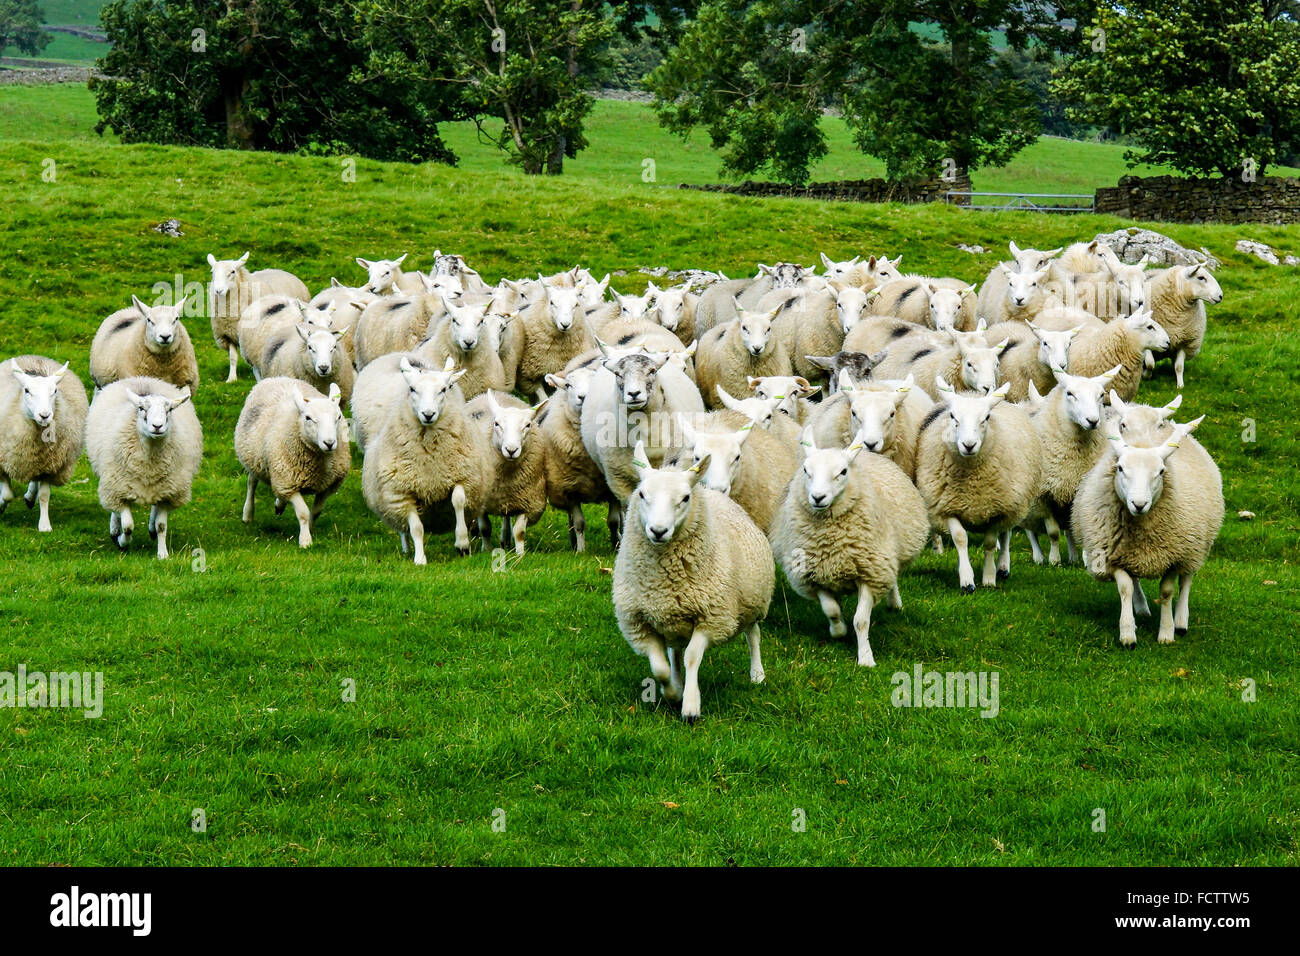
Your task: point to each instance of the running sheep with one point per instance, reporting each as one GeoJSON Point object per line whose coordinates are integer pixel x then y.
{"type": "Point", "coordinates": [1176, 298]}
{"type": "Point", "coordinates": [145, 445]}
{"type": "Point", "coordinates": [572, 477]}
{"type": "Point", "coordinates": [467, 338]}
{"type": "Point", "coordinates": [140, 341]}
{"type": "Point", "coordinates": [746, 347]}
{"type": "Point", "coordinates": [294, 439]}
{"type": "Point", "coordinates": [885, 416]}
{"type": "Point", "coordinates": [672, 619]}
{"type": "Point", "coordinates": [850, 523]}
{"type": "Point", "coordinates": [42, 420]}
{"type": "Point", "coordinates": [233, 289]}
{"type": "Point", "coordinates": [514, 469]}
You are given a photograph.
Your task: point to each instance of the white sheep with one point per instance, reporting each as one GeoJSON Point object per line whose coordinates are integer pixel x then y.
{"type": "Point", "coordinates": [1119, 289]}
{"type": "Point", "coordinates": [233, 289]}
{"type": "Point", "coordinates": [468, 338]}
{"type": "Point", "coordinates": [968, 362]}
{"type": "Point", "coordinates": [294, 439]}
{"type": "Point", "coordinates": [385, 276]}
{"type": "Point", "coordinates": [554, 330]}
{"type": "Point", "coordinates": [347, 305]}
{"type": "Point", "coordinates": [817, 323]}
{"type": "Point", "coordinates": [746, 347]}
{"type": "Point", "coordinates": [673, 524]}
{"type": "Point", "coordinates": [427, 453]}
{"type": "Point", "coordinates": [849, 524]}
{"type": "Point", "coordinates": [145, 445]}
{"type": "Point", "coordinates": [572, 477]}
{"type": "Point", "coordinates": [1150, 513]}
{"type": "Point", "coordinates": [1176, 298]}
{"type": "Point", "coordinates": [884, 415]}
{"type": "Point", "coordinates": [1122, 342]}
{"type": "Point", "coordinates": [939, 303]}
{"type": "Point", "coordinates": [144, 341]}
{"type": "Point", "coordinates": [792, 393]}
{"type": "Point", "coordinates": [1015, 296]}
{"type": "Point", "coordinates": [978, 464]}
{"type": "Point", "coordinates": [675, 311]}
{"type": "Point", "coordinates": [310, 353]}
{"type": "Point", "coordinates": [42, 420]}
{"type": "Point", "coordinates": [515, 465]}
{"type": "Point", "coordinates": [399, 322]}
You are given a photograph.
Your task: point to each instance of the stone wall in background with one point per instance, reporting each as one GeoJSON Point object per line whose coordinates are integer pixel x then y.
{"type": "Point", "coordinates": [1270, 199]}
{"type": "Point", "coordinates": [855, 190]}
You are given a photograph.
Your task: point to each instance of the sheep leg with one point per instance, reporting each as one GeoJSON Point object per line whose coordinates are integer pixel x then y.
{"type": "Point", "coordinates": [862, 626]}
{"type": "Point", "coordinates": [404, 542]}
{"type": "Point", "coordinates": [1180, 360]}
{"type": "Point", "coordinates": [520, 529]}
{"type": "Point", "coordinates": [248, 499]}
{"type": "Point", "coordinates": [692, 658]}
{"type": "Point", "coordinates": [1168, 586]}
{"type": "Point", "coordinates": [43, 497]}
{"type": "Point", "coordinates": [1140, 606]}
{"type": "Point", "coordinates": [936, 542]}
{"type": "Point", "coordinates": [158, 528]}
{"type": "Point", "coordinates": [304, 519]}
{"type": "Point", "coordinates": [895, 599]}
{"type": "Point", "coordinates": [675, 679]}
{"type": "Point", "coordinates": [1127, 626]}
{"type": "Point", "coordinates": [1004, 556]}
{"type": "Point", "coordinates": [505, 532]}
{"type": "Point", "coordinates": [1180, 612]}
{"type": "Point", "coordinates": [660, 666]}
{"type": "Point", "coordinates": [577, 529]}
{"type": "Point", "coordinates": [234, 360]}
{"type": "Point", "coordinates": [318, 505]}
{"type": "Point", "coordinates": [756, 673]}
{"type": "Point", "coordinates": [1034, 546]}
{"type": "Point", "coordinates": [126, 524]}
{"type": "Point", "coordinates": [831, 608]}
{"type": "Point", "coordinates": [965, 573]}
{"type": "Point", "coordinates": [6, 495]}
{"type": "Point", "coordinates": [1071, 550]}
{"type": "Point", "coordinates": [29, 496]}
{"type": "Point", "coordinates": [1054, 541]}
{"type": "Point", "coordinates": [279, 506]}
{"type": "Point", "coordinates": [990, 577]}
{"type": "Point", "coordinates": [615, 523]}
{"type": "Point", "coordinates": [458, 499]}
{"type": "Point", "coordinates": [415, 527]}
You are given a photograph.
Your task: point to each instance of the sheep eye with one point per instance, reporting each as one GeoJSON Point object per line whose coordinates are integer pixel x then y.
{"type": "Point", "coordinates": [844, 472]}
{"type": "Point", "coordinates": [310, 419]}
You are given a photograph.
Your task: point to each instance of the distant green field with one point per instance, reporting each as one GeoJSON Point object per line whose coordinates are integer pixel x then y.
{"type": "Point", "coordinates": [504, 692]}
{"type": "Point", "coordinates": [65, 48]}
{"type": "Point", "coordinates": [73, 12]}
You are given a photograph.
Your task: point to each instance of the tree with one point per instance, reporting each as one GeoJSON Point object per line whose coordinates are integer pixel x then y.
{"type": "Point", "coordinates": [20, 26]}
{"type": "Point", "coordinates": [286, 75]}
{"type": "Point", "coordinates": [517, 61]}
{"type": "Point", "coordinates": [1204, 86]}
{"type": "Point", "coordinates": [917, 82]}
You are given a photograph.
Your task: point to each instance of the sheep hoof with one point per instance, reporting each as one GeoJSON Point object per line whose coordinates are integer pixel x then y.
{"type": "Point", "coordinates": [463, 552]}
{"type": "Point", "coordinates": [1128, 643]}
{"type": "Point", "coordinates": [968, 589]}
{"type": "Point", "coordinates": [121, 541]}
{"type": "Point", "coordinates": [1003, 575]}
{"type": "Point", "coordinates": [690, 718]}
{"type": "Point", "coordinates": [153, 532]}
{"type": "Point", "coordinates": [30, 502]}
{"type": "Point", "coordinates": [1180, 631]}
{"type": "Point", "coordinates": [279, 506]}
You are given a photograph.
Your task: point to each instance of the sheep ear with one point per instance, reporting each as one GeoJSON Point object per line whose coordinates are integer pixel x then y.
{"type": "Point", "coordinates": [299, 399]}
{"type": "Point", "coordinates": [555, 381]}
{"type": "Point", "coordinates": [405, 366]}
{"type": "Point", "coordinates": [1111, 374]}
{"type": "Point", "coordinates": [942, 384]}
{"type": "Point", "coordinates": [1034, 396]}
{"type": "Point", "coordinates": [739, 308]}
{"type": "Point", "coordinates": [807, 438]}
{"type": "Point", "coordinates": [725, 397]}
{"type": "Point", "coordinates": [212, 260]}
{"type": "Point", "coordinates": [753, 382]}
{"type": "Point", "coordinates": [640, 460]}
{"type": "Point", "coordinates": [826, 261]}
{"type": "Point", "coordinates": [877, 357]}
{"type": "Point", "coordinates": [185, 397]}
{"type": "Point", "coordinates": [1000, 394]}
{"type": "Point", "coordinates": [824, 362]}
{"type": "Point", "coordinates": [136, 399]}
{"type": "Point", "coordinates": [242, 259]}
{"type": "Point", "coordinates": [699, 469]}
{"type": "Point", "coordinates": [304, 332]}
{"type": "Point", "coordinates": [604, 349]}
{"type": "Point", "coordinates": [539, 406]}
{"type": "Point", "coordinates": [982, 325]}
{"type": "Point", "coordinates": [1116, 402]}
{"type": "Point", "coordinates": [457, 375]}
{"type": "Point", "coordinates": [855, 448]}
{"type": "Point", "coordinates": [689, 351]}
{"type": "Point", "coordinates": [1015, 249]}
{"type": "Point", "coordinates": [336, 393]}
{"type": "Point", "coordinates": [363, 263]}
{"type": "Point", "coordinates": [909, 383]}
{"type": "Point", "coordinates": [140, 307]}
{"type": "Point", "coordinates": [1171, 407]}
{"type": "Point", "coordinates": [58, 373]}
{"type": "Point", "coordinates": [1002, 346]}
{"type": "Point", "coordinates": [449, 365]}
{"type": "Point", "coordinates": [493, 403]}
{"type": "Point", "coordinates": [400, 259]}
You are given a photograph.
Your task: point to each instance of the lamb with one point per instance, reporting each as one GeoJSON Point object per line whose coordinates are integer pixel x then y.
{"type": "Point", "coordinates": [857, 364]}
{"type": "Point", "coordinates": [1176, 297]}
{"type": "Point", "coordinates": [970, 365]}
{"type": "Point", "coordinates": [938, 303]}
{"type": "Point", "coordinates": [143, 341]}
{"type": "Point", "coordinates": [1120, 342]}
{"type": "Point", "coordinates": [468, 339]}
{"type": "Point", "coordinates": [742, 349]}
{"type": "Point", "coordinates": [978, 466]}
{"type": "Point", "coordinates": [554, 331]}
{"type": "Point", "coordinates": [884, 416]}
{"type": "Point", "coordinates": [1071, 441]}
{"type": "Point", "coordinates": [673, 524]}
{"type": "Point", "coordinates": [399, 322]}
{"type": "Point", "coordinates": [311, 354]}
{"type": "Point", "coordinates": [1141, 425]}
{"type": "Point", "coordinates": [572, 477]}
{"type": "Point", "coordinates": [145, 444]}
{"type": "Point", "coordinates": [515, 465]}
{"type": "Point", "coordinates": [1015, 296]}
{"type": "Point", "coordinates": [1150, 513]}
{"type": "Point", "coordinates": [746, 463]}
{"type": "Point", "coordinates": [849, 523]}
{"type": "Point", "coordinates": [868, 275]}
{"type": "Point", "coordinates": [1032, 260]}
{"type": "Point", "coordinates": [233, 289]}
{"type": "Point", "coordinates": [42, 419]}
{"type": "Point", "coordinates": [632, 397]}
{"type": "Point", "coordinates": [294, 439]}
{"type": "Point", "coordinates": [385, 276]}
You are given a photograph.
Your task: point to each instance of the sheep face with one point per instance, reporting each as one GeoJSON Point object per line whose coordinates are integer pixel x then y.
{"type": "Point", "coordinates": [382, 274]}
{"type": "Point", "coordinates": [636, 306]}
{"type": "Point", "coordinates": [670, 307]}
{"type": "Point", "coordinates": [426, 390]}
{"type": "Point", "coordinates": [663, 496]}
{"type": "Point", "coordinates": [467, 325]}
{"type": "Point", "coordinates": [979, 364]}
{"type": "Point", "coordinates": [945, 306]}
{"type": "Point", "coordinates": [785, 389]}
{"type": "Point", "coordinates": [320, 316]}
{"type": "Point", "coordinates": [1196, 282]}
{"type": "Point", "coordinates": [1032, 260]}
{"type": "Point", "coordinates": [716, 455]}
{"type": "Point", "coordinates": [637, 377]}
{"type": "Point", "coordinates": [1141, 424]}
{"type": "Point", "coordinates": [873, 412]}
{"type": "Point", "coordinates": [1140, 472]}
{"type": "Point", "coordinates": [320, 347]}
{"type": "Point", "coordinates": [225, 273]}
{"type": "Point", "coordinates": [447, 286]}
{"type": "Point", "coordinates": [884, 269]}
{"type": "Point", "coordinates": [839, 271]}
{"type": "Point", "coordinates": [756, 330]}
{"type": "Point", "coordinates": [850, 305]}
{"type": "Point", "coordinates": [1131, 281]}
{"type": "Point", "coordinates": [1054, 347]}
{"type": "Point", "coordinates": [564, 305]}
{"type": "Point", "coordinates": [162, 324]}
{"type": "Point", "coordinates": [1083, 396]}
{"type": "Point", "coordinates": [320, 422]}
{"type": "Point", "coordinates": [785, 275]}
{"type": "Point", "coordinates": [857, 364]}
{"type": "Point", "coordinates": [826, 471]}
{"type": "Point", "coordinates": [1151, 334]}
{"type": "Point", "coordinates": [38, 395]}
{"type": "Point", "coordinates": [759, 411]}
{"type": "Point", "coordinates": [593, 293]}
{"type": "Point", "coordinates": [510, 427]}
{"type": "Point", "coordinates": [967, 423]}
{"type": "Point", "coordinates": [448, 265]}
{"type": "Point", "coordinates": [153, 413]}
{"type": "Point", "coordinates": [1022, 287]}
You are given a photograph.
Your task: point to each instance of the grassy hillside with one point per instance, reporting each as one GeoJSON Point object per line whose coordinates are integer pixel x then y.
{"type": "Point", "coordinates": [511, 689]}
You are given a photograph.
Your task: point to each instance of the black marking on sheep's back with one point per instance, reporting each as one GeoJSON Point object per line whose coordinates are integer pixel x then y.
{"type": "Point", "coordinates": [899, 331]}
{"type": "Point", "coordinates": [394, 306]}
{"type": "Point", "coordinates": [908, 292]}
{"type": "Point", "coordinates": [921, 354]}
{"type": "Point", "coordinates": [274, 349]}
{"type": "Point", "coordinates": [627, 338]}
{"type": "Point", "coordinates": [933, 414]}
{"type": "Point", "coordinates": [254, 413]}
{"type": "Point", "coordinates": [123, 324]}
{"type": "Point", "coordinates": [278, 307]}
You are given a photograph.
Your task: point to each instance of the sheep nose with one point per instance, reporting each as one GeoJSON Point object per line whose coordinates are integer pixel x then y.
{"type": "Point", "coordinates": [322, 369]}
{"type": "Point", "coordinates": [427, 417]}
{"type": "Point", "coordinates": [968, 447]}
{"type": "Point", "coordinates": [1139, 507]}
{"type": "Point", "coordinates": [756, 350]}
{"type": "Point", "coordinates": [164, 339]}
{"type": "Point", "coordinates": [1020, 300]}
{"type": "Point", "coordinates": [871, 446]}
{"type": "Point", "coordinates": [512, 451]}
{"type": "Point", "coordinates": [817, 498]}
{"type": "Point", "coordinates": [657, 532]}
{"type": "Point", "coordinates": [1092, 422]}
{"type": "Point", "coordinates": [329, 443]}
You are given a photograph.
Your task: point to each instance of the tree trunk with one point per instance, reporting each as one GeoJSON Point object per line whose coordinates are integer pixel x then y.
{"type": "Point", "coordinates": [555, 162]}
{"type": "Point", "coordinates": [239, 128]}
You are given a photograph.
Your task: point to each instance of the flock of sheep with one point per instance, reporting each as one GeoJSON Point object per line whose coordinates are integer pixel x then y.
{"type": "Point", "coordinates": [834, 423]}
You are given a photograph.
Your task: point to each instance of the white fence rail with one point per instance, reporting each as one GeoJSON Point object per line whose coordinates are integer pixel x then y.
{"type": "Point", "coordinates": [1026, 202]}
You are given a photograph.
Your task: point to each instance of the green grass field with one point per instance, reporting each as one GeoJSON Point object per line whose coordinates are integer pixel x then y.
{"type": "Point", "coordinates": [481, 690]}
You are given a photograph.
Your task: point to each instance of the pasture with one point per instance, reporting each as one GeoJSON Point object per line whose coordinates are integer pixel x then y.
{"type": "Point", "coordinates": [486, 685]}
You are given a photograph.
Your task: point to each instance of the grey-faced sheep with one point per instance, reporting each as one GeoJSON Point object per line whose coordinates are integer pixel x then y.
{"type": "Point", "coordinates": [849, 523]}
{"type": "Point", "coordinates": [145, 445]}
{"type": "Point", "coordinates": [673, 524]}
{"type": "Point", "coordinates": [144, 341]}
{"type": "Point", "coordinates": [233, 289]}
{"type": "Point", "coordinates": [858, 364]}
{"type": "Point", "coordinates": [42, 420]}
{"type": "Point", "coordinates": [294, 439]}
